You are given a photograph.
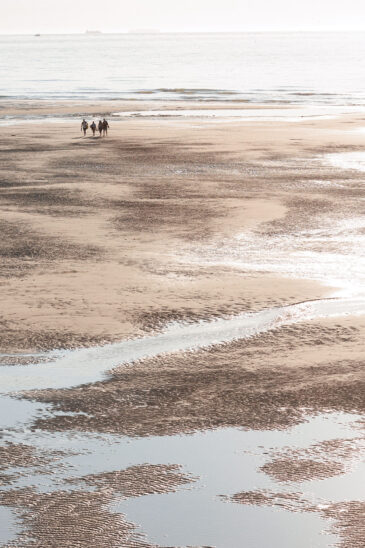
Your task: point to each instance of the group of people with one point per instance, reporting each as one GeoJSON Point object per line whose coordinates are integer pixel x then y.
{"type": "Point", "coordinates": [102, 127]}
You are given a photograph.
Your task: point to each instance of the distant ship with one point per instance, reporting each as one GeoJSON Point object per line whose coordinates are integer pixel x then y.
{"type": "Point", "coordinates": [37, 35]}
{"type": "Point", "coordinates": [93, 32]}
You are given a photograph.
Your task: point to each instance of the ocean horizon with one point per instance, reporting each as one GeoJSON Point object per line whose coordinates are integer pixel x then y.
{"type": "Point", "coordinates": [255, 67]}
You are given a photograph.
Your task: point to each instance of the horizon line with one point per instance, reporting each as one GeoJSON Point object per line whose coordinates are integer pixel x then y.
{"type": "Point", "coordinates": [152, 31]}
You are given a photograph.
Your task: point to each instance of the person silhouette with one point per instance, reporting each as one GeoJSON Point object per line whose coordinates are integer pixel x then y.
{"type": "Point", "coordinates": [100, 127]}
{"type": "Point", "coordinates": [84, 126]}
{"type": "Point", "coordinates": [105, 127]}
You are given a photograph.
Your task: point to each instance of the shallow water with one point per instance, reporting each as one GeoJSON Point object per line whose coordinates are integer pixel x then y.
{"type": "Point", "coordinates": [225, 461]}
{"type": "Point", "coordinates": [179, 520]}
{"type": "Point", "coordinates": [9, 525]}
{"type": "Point", "coordinates": [76, 367]}
{"type": "Point", "coordinates": [287, 114]}
{"type": "Point", "coordinates": [258, 115]}
{"type": "Point", "coordinates": [280, 114]}
{"type": "Point", "coordinates": [16, 413]}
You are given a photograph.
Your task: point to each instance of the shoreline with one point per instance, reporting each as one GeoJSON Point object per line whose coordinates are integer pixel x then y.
{"type": "Point", "coordinates": [89, 107]}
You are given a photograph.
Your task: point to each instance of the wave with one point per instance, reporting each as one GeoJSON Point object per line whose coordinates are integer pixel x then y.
{"type": "Point", "coordinates": [284, 96]}
{"type": "Point", "coordinates": [197, 90]}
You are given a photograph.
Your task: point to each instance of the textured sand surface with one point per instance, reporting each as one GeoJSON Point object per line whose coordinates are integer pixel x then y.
{"type": "Point", "coordinates": [106, 239]}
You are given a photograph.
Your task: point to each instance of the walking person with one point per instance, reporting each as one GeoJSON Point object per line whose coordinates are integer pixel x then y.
{"type": "Point", "coordinates": [100, 127]}
{"type": "Point", "coordinates": [84, 126]}
{"type": "Point", "coordinates": [105, 127]}
{"type": "Point", "coordinates": [93, 128]}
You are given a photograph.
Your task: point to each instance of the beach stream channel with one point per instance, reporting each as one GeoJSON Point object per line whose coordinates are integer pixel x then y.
{"type": "Point", "coordinates": [225, 461]}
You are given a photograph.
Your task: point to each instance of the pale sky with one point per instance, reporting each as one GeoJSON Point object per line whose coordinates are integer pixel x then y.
{"type": "Point", "coordinates": [31, 16]}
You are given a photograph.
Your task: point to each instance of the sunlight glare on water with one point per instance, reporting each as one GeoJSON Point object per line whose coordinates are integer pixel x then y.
{"type": "Point", "coordinates": [255, 67]}
{"type": "Point", "coordinates": [347, 160]}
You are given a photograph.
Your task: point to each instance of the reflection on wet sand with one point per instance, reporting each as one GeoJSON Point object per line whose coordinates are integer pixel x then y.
{"type": "Point", "coordinates": [208, 383]}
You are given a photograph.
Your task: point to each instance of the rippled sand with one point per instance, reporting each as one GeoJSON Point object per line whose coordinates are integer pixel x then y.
{"type": "Point", "coordinates": [201, 278]}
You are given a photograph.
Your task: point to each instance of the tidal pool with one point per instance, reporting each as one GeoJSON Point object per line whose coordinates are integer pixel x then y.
{"type": "Point", "coordinates": [224, 461]}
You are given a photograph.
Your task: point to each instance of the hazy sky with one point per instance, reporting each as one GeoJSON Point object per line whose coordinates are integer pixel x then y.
{"type": "Point", "coordinates": [17, 16]}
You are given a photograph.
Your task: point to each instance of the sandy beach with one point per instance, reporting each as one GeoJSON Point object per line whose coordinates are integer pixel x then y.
{"type": "Point", "coordinates": [97, 233]}
{"type": "Point", "coordinates": [180, 221]}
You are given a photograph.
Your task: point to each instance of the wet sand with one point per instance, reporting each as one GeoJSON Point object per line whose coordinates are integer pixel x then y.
{"type": "Point", "coordinates": [105, 240]}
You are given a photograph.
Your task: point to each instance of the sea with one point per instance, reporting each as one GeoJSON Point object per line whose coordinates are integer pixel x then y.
{"type": "Point", "coordinates": [284, 68]}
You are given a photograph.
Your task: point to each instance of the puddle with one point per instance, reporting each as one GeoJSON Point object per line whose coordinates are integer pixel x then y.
{"type": "Point", "coordinates": [179, 520]}
{"type": "Point", "coordinates": [226, 461]}
{"type": "Point", "coordinates": [198, 451]}
{"type": "Point", "coordinates": [346, 487]}
{"type": "Point", "coordinates": [9, 525]}
{"type": "Point", "coordinates": [15, 413]}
